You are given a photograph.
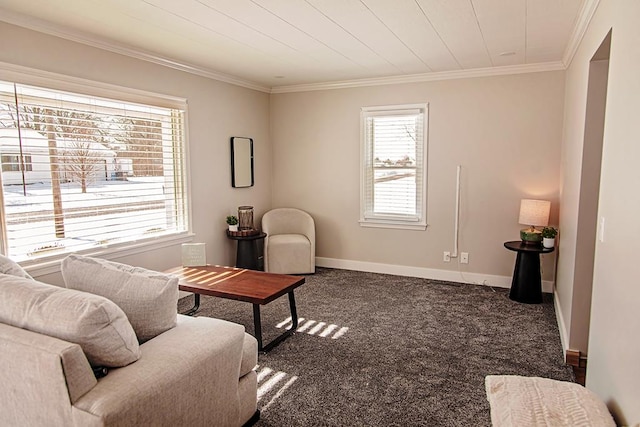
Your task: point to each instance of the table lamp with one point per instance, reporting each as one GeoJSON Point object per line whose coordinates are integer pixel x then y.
{"type": "Point", "coordinates": [533, 213]}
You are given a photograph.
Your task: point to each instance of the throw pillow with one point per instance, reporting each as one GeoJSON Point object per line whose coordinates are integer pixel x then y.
{"type": "Point", "coordinates": [149, 298]}
{"type": "Point", "coordinates": [98, 325]}
{"type": "Point", "coordinates": [8, 266]}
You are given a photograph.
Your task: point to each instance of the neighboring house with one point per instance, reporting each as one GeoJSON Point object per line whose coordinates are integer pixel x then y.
{"type": "Point", "coordinates": [99, 162]}
{"type": "Point", "coordinates": [35, 153]}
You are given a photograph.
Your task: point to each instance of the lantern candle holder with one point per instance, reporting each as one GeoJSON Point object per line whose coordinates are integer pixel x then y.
{"type": "Point", "coordinates": [245, 217]}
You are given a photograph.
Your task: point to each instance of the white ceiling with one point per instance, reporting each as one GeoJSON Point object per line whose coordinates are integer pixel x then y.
{"type": "Point", "coordinates": [280, 43]}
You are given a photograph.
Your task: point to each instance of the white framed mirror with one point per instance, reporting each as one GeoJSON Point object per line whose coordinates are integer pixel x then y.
{"type": "Point", "coordinates": [241, 162]}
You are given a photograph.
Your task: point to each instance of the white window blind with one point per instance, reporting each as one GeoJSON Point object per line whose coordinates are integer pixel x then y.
{"type": "Point", "coordinates": [393, 187]}
{"type": "Point", "coordinates": [80, 172]}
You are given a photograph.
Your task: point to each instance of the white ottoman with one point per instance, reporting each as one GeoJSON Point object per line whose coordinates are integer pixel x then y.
{"type": "Point", "coordinates": [532, 401]}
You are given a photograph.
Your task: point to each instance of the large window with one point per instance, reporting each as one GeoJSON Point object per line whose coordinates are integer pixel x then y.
{"type": "Point", "coordinates": [393, 183]}
{"type": "Point", "coordinates": [80, 172]}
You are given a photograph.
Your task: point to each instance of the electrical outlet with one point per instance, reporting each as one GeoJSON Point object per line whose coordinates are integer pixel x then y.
{"type": "Point", "coordinates": [464, 257]}
{"type": "Point", "coordinates": [447, 257]}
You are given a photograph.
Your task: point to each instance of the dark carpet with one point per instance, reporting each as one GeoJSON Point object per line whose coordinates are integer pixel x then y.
{"type": "Point", "coordinates": [383, 350]}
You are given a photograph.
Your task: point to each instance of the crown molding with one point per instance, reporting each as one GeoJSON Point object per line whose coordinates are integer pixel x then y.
{"type": "Point", "coordinates": [589, 8]}
{"type": "Point", "coordinates": [426, 77]}
{"type": "Point", "coordinates": [122, 49]}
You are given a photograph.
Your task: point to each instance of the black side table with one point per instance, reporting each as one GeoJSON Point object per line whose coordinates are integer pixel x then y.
{"type": "Point", "coordinates": [526, 285]}
{"type": "Point", "coordinates": [248, 253]}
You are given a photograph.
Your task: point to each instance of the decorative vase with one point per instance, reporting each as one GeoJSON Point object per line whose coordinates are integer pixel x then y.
{"type": "Point", "coordinates": [548, 242]}
{"type": "Point", "coordinates": [233, 227]}
{"type": "Point", "coordinates": [245, 217]}
{"type": "Point", "coordinates": [531, 236]}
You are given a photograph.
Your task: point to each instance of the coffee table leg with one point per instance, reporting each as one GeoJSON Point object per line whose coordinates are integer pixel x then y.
{"type": "Point", "coordinates": [294, 312]}
{"type": "Point", "coordinates": [196, 305]}
{"type": "Point", "coordinates": [257, 325]}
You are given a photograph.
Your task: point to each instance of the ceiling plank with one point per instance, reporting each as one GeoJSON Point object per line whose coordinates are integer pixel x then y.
{"type": "Point", "coordinates": [406, 20]}
{"type": "Point", "coordinates": [502, 23]}
{"type": "Point", "coordinates": [217, 23]}
{"type": "Point", "coordinates": [547, 23]}
{"type": "Point", "coordinates": [358, 21]}
{"type": "Point", "coordinates": [313, 22]}
{"type": "Point", "coordinates": [263, 21]}
{"type": "Point", "coordinates": [456, 24]}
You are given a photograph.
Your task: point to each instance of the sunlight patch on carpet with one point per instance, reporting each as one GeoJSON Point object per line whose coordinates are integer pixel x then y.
{"type": "Point", "coordinates": [313, 327]}
{"type": "Point", "coordinates": [272, 385]}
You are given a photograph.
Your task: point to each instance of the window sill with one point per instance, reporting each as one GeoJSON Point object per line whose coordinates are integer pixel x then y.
{"type": "Point", "coordinates": [51, 264]}
{"type": "Point", "coordinates": [393, 224]}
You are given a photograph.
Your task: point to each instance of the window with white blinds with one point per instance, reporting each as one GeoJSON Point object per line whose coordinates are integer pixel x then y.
{"type": "Point", "coordinates": [393, 183]}
{"type": "Point", "coordinates": [83, 172]}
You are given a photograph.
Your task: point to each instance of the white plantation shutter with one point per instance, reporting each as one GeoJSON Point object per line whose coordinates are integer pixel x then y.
{"type": "Point", "coordinates": [393, 166]}
{"type": "Point", "coordinates": [80, 172]}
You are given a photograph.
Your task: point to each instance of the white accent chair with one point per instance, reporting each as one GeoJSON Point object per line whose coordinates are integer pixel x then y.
{"type": "Point", "coordinates": [290, 245]}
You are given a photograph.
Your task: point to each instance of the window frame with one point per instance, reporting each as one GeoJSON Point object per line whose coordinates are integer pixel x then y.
{"type": "Point", "coordinates": [15, 165]}
{"type": "Point", "coordinates": [368, 218]}
{"type": "Point", "coordinates": [54, 81]}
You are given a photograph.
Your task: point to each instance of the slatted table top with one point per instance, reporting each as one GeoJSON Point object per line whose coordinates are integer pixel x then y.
{"type": "Point", "coordinates": [256, 287]}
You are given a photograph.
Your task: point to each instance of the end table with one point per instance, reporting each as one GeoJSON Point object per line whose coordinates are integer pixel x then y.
{"type": "Point", "coordinates": [526, 285]}
{"type": "Point", "coordinates": [247, 254]}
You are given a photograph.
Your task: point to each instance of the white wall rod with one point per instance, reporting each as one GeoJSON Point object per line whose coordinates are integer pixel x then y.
{"type": "Point", "coordinates": [457, 214]}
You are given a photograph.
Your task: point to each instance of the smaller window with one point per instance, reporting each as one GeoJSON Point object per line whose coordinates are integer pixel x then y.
{"type": "Point", "coordinates": [393, 166]}
{"type": "Point", "coordinates": [11, 163]}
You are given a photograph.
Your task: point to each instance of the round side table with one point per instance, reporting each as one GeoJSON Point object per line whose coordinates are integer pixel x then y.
{"type": "Point", "coordinates": [247, 254]}
{"type": "Point", "coordinates": [526, 285]}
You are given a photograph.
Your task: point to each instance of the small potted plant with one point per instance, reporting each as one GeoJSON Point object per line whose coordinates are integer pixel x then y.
{"type": "Point", "coordinates": [549, 237]}
{"type": "Point", "coordinates": [232, 221]}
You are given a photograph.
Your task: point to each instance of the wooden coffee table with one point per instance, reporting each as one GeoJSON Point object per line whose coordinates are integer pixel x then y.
{"type": "Point", "coordinates": [257, 287]}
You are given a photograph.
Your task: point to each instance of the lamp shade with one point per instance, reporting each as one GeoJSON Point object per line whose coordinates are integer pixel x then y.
{"type": "Point", "coordinates": [534, 212]}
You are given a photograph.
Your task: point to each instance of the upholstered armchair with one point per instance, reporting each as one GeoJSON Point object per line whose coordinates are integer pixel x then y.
{"type": "Point", "coordinates": [290, 245]}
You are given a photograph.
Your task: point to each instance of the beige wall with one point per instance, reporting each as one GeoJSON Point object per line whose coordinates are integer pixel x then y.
{"type": "Point", "coordinates": [216, 111]}
{"type": "Point", "coordinates": [505, 132]}
{"type": "Point", "coordinates": [588, 205]}
{"type": "Point", "coordinates": [613, 370]}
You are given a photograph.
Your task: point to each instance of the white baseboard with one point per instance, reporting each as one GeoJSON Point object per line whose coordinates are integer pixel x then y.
{"type": "Point", "coordinates": [426, 273]}
{"type": "Point", "coordinates": [562, 326]}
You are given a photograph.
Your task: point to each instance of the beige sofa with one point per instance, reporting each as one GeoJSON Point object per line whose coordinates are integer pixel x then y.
{"type": "Point", "coordinates": [198, 372]}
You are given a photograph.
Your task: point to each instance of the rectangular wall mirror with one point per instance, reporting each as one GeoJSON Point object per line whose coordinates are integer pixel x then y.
{"type": "Point", "coordinates": [241, 162]}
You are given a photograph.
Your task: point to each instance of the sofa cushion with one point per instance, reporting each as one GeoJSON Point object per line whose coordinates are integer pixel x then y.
{"type": "Point", "coordinates": [532, 401]}
{"type": "Point", "coordinates": [249, 355]}
{"type": "Point", "coordinates": [24, 356]}
{"type": "Point", "coordinates": [149, 298]}
{"type": "Point", "coordinates": [187, 376]}
{"type": "Point", "coordinates": [98, 325]}
{"type": "Point", "coordinates": [8, 266]}
{"type": "Point", "coordinates": [289, 254]}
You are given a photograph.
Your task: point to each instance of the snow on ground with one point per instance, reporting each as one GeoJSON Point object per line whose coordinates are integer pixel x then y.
{"type": "Point", "coordinates": [29, 218]}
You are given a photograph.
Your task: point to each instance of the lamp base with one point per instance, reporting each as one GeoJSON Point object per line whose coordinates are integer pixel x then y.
{"type": "Point", "coordinates": [531, 237]}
